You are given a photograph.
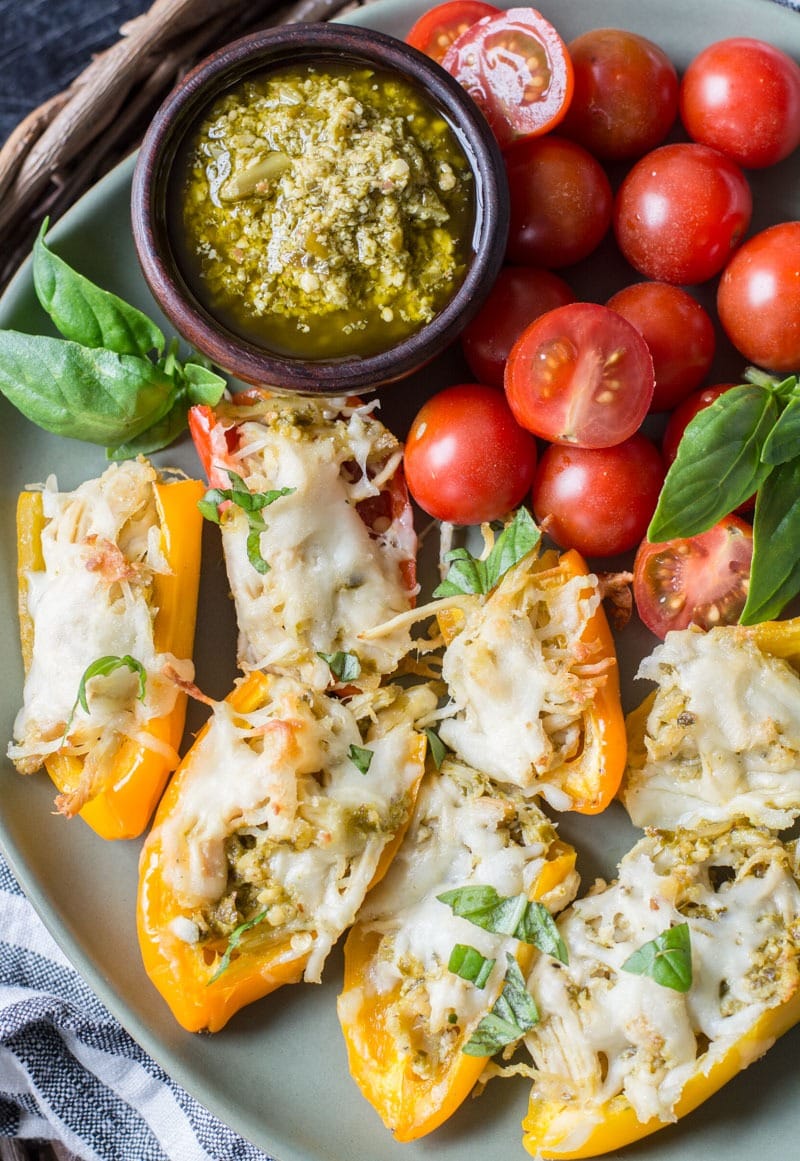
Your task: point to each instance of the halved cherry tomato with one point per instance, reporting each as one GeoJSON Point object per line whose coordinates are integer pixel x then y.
{"type": "Point", "coordinates": [701, 580]}
{"type": "Point", "coordinates": [434, 32]}
{"type": "Point", "coordinates": [580, 375]}
{"type": "Point", "coordinates": [467, 460]}
{"type": "Point", "coordinates": [516, 67]}
{"type": "Point", "coordinates": [679, 334]}
{"type": "Point", "coordinates": [520, 294]}
{"type": "Point", "coordinates": [598, 501]}
{"type": "Point", "coordinates": [626, 94]}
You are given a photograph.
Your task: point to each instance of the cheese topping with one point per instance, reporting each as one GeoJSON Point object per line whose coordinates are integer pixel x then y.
{"type": "Point", "coordinates": [465, 831]}
{"type": "Point", "coordinates": [102, 545]}
{"type": "Point", "coordinates": [335, 548]}
{"type": "Point", "coordinates": [605, 1032]}
{"type": "Point", "coordinates": [722, 739]}
{"type": "Point", "coordinates": [514, 673]}
{"type": "Point", "coordinates": [275, 817]}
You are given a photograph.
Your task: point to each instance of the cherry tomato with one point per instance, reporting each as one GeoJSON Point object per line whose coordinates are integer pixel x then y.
{"type": "Point", "coordinates": [758, 298]}
{"type": "Point", "coordinates": [581, 375]}
{"type": "Point", "coordinates": [681, 211]}
{"type": "Point", "coordinates": [625, 99]}
{"type": "Point", "coordinates": [698, 581]}
{"type": "Point", "coordinates": [598, 500]}
{"type": "Point", "coordinates": [434, 32]}
{"type": "Point", "coordinates": [742, 96]}
{"type": "Point", "coordinates": [561, 202]}
{"type": "Point", "coordinates": [679, 334]}
{"type": "Point", "coordinates": [520, 294]}
{"type": "Point", "coordinates": [516, 67]}
{"type": "Point", "coordinates": [684, 414]}
{"type": "Point", "coordinates": [466, 459]}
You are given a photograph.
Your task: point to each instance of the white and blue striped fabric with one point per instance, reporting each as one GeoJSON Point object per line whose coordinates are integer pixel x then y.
{"type": "Point", "coordinates": [70, 1072]}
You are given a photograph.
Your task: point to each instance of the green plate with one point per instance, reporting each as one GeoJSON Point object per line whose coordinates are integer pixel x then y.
{"type": "Point", "coordinates": [278, 1072]}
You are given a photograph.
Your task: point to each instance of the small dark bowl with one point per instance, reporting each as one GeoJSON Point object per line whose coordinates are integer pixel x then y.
{"type": "Point", "coordinates": [257, 54]}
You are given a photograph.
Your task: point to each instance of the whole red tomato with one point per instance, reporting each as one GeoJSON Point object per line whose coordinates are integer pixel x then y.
{"type": "Point", "coordinates": [561, 202]}
{"type": "Point", "coordinates": [466, 459]}
{"type": "Point", "coordinates": [680, 213]}
{"type": "Point", "coordinates": [520, 294]}
{"type": "Point", "coordinates": [598, 500]}
{"type": "Point", "coordinates": [625, 99]}
{"type": "Point", "coordinates": [679, 334]}
{"type": "Point", "coordinates": [742, 96]}
{"type": "Point", "coordinates": [758, 298]}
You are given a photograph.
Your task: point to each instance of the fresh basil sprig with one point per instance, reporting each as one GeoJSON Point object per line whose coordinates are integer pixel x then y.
{"type": "Point", "coordinates": [469, 574]}
{"type": "Point", "coordinates": [747, 441]}
{"type": "Point", "coordinates": [513, 915]}
{"type": "Point", "coordinates": [344, 666]}
{"type": "Point", "coordinates": [234, 940]}
{"type": "Point", "coordinates": [468, 963]}
{"type": "Point", "coordinates": [514, 1013]}
{"type": "Point", "coordinates": [252, 504]}
{"type": "Point", "coordinates": [107, 381]}
{"type": "Point", "coordinates": [361, 757]}
{"type": "Point", "coordinates": [667, 959]}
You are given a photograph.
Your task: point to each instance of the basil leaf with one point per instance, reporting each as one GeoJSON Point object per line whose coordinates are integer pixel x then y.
{"type": "Point", "coordinates": [468, 963]}
{"type": "Point", "coordinates": [437, 748]}
{"type": "Point", "coordinates": [667, 959]}
{"type": "Point", "coordinates": [343, 666]}
{"type": "Point", "coordinates": [469, 574]}
{"type": "Point", "coordinates": [718, 465]}
{"type": "Point", "coordinates": [360, 757]}
{"type": "Point", "coordinates": [783, 442]}
{"type": "Point", "coordinates": [87, 314]}
{"type": "Point", "coordinates": [513, 1014]}
{"type": "Point", "coordinates": [94, 395]}
{"type": "Point", "coordinates": [159, 435]}
{"type": "Point", "coordinates": [202, 384]}
{"type": "Point", "coordinates": [775, 568]}
{"type": "Point", "coordinates": [251, 504]}
{"type": "Point", "coordinates": [513, 915]}
{"type": "Point", "coordinates": [103, 666]}
{"type": "Point", "coordinates": [233, 942]}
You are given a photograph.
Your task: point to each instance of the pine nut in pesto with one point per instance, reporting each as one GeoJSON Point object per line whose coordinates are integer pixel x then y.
{"type": "Point", "coordinates": [324, 212]}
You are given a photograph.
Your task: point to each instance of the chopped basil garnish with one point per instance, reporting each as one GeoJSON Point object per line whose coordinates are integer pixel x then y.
{"type": "Point", "coordinates": [746, 441]}
{"type": "Point", "coordinates": [102, 667]}
{"type": "Point", "coordinates": [252, 504]}
{"type": "Point", "coordinates": [468, 963]}
{"type": "Point", "coordinates": [360, 757]}
{"type": "Point", "coordinates": [343, 666]}
{"type": "Point", "coordinates": [468, 574]}
{"type": "Point", "coordinates": [513, 1014]}
{"type": "Point", "coordinates": [514, 915]}
{"type": "Point", "coordinates": [667, 959]}
{"type": "Point", "coordinates": [234, 940]}
{"type": "Point", "coordinates": [436, 746]}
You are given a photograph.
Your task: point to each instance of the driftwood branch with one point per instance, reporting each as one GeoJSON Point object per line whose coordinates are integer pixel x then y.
{"type": "Point", "coordinates": [66, 144]}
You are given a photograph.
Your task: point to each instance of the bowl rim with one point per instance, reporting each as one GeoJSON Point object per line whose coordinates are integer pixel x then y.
{"type": "Point", "coordinates": [258, 52]}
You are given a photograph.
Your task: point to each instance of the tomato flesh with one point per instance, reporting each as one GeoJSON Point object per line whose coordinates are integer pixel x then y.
{"type": "Point", "coordinates": [517, 69]}
{"type": "Point", "coordinates": [580, 374]}
{"type": "Point", "coordinates": [466, 459]}
{"type": "Point", "coordinates": [434, 32]}
{"type": "Point", "coordinates": [701, 580]}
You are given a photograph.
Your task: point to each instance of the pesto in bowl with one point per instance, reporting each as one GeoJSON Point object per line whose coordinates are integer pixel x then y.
{"type": "Point", "coordinates": [324, 209]}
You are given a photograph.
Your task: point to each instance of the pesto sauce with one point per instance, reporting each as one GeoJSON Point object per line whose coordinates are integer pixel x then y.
{"type": "Point", "coordinates": [324, 212]}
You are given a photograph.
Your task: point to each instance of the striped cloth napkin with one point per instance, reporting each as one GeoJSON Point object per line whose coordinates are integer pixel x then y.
{"type": "Point", "coordinates": [69, 1071]}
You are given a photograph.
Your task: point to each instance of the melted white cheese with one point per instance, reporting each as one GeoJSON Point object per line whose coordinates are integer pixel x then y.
{"type": "Point", "coordinates": [723, 735]}
{"type": "Point", "coordinates": [605, 1031]}
{"type": "Point", "coordinates": [329, 576]}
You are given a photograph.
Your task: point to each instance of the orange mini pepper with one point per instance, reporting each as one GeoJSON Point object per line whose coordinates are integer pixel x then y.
{"type": "Point", "coordinates": [124, 803]}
